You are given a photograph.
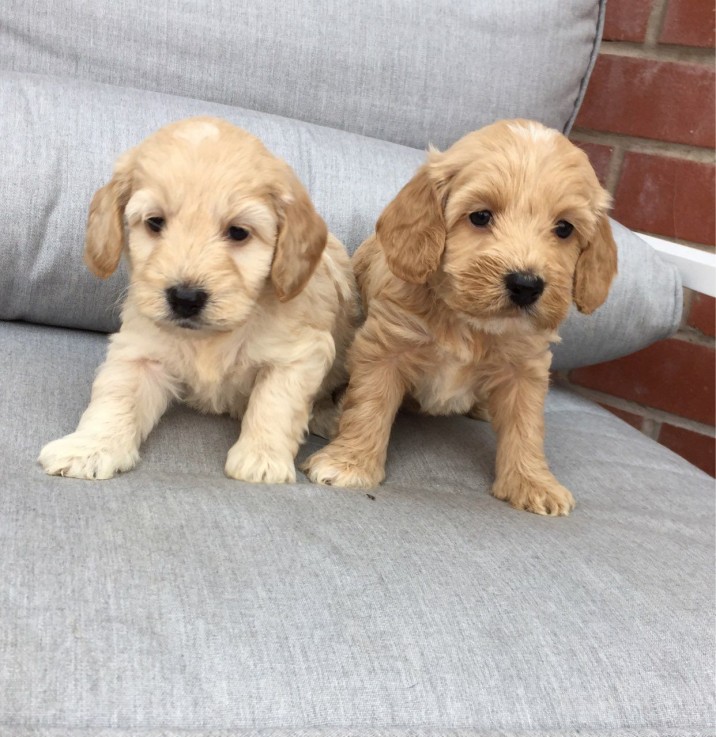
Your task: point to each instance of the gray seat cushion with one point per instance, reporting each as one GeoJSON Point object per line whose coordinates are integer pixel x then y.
{"type": "Point", "coordinates": [59, 139]}
{"type": "Point", "coordinates": [408, 72]}
{"type": "Point", "coordinates": [176, 599]}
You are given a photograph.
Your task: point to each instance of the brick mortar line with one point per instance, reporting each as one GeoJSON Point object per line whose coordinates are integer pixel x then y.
{"type": "Point", "coordinates": [692, 335]}
{"type": "Point", "coordinates": [651, 428]}
{"type": "Point", "coordinates": [693, 55]}
{"type": "Point", "coordinates": [699, 154]}
{"type": "Point", "coordinates": [655, 24]}
{"type": "Point", "coordinates": [614, 173]}
{"type": "Point", "coordinates": [642, 410]}
{"type": "Point", "coordinates": [688, 297]}
{"type": "Point", "coordinates": [622, 144]}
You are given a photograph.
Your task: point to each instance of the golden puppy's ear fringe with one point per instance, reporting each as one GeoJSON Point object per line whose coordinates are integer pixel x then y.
{"type": "Point", "coordinates": [596, 268]}
{"type": "Point", "coordinates": [104, 239]}
{"type": "Point", "coordinates": [300, 242]}
{"type": "Point", "coordinates": [411, 230]}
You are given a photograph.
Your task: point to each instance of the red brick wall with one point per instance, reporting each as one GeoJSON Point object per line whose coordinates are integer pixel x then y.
{"type": "Point", "coordinates": [647, 123]}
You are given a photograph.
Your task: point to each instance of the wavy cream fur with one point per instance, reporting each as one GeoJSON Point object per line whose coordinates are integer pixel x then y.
{"type": "Point", "coordinates": [270, 340]}
{"type": "Point", "coordinates": [440, 329]}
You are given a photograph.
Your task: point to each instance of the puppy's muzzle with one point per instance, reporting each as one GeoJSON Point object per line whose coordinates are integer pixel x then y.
{"type": "Point", "coordinates": [524, 289]}
{"type": "Point", "coordinates": [185, 301]}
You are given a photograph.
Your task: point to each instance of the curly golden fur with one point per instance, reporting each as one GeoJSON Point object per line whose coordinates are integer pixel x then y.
{"type": "Point", "coordinates": [445, 325]}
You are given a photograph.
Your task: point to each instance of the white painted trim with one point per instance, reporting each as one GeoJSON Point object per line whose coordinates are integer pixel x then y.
{"type": "Point", "coordinates": [697, 268]}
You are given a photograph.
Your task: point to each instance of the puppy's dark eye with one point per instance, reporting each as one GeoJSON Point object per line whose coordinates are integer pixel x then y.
{"type": "Point", "coordinates": [155, 224]}
{"type": "Point", "coordinates": [235, 233]}
{"type": "Point", "coordinates": [481, 218]}
{"type": "Point", "coordinates": [563, 229]}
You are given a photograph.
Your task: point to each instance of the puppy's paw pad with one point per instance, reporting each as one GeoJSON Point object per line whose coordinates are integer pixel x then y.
{"type": "Point", "coordinates": [325, 468]}
{"type": "Point", "coordinates": [259, 466]}
{"type": "Point", "coordinates": [544, 496]}
{"type": "Point", "coordinates": [81, 457]}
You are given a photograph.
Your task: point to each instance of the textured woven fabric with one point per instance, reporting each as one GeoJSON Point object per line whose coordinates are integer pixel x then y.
{"type": "Point", "coordinates": [337, 732]}
{"type": "Point", "coordinates": [172, 598]}
{"type": "Point", "coordinates": [59, 138]}
{"type": "Point", "coordinates": [409, 72]}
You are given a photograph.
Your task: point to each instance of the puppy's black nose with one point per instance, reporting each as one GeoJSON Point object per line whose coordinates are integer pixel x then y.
{"type": "Point", "coordinates": [186, 301]}
{"type": "Point", "coordinates": [524, 289]}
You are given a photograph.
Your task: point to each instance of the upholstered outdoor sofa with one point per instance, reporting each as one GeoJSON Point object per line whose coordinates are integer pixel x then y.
{"type": "Point", "coordinates": [174, 601]}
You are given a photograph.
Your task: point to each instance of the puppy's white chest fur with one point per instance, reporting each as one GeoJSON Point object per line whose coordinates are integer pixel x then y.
{"type": "Point", "coordinates": [216, 375]}
{"type": "Point", "coordinates": [446, 386]}
{"type": "Point", "coordinates": [453, 376]}
{"type": "Point", "coordinates": [211, 373]}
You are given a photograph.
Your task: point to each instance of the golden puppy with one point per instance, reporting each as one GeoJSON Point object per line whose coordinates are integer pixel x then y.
{"type": "Point", "coordinates": [239, 301]}
{"type": "Point", "coordinates": [472, 268]}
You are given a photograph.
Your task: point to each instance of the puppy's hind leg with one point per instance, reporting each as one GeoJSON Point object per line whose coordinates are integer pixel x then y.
{"type": "Point", "coordinates": [326, 414]}
{"type": "Point", "coordinates": [479, 410]}
{"type": "Point", "coordinates": [128, 397]}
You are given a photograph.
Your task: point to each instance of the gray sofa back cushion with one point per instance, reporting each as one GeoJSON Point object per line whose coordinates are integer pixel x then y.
{"type": "Point", "coordinates": [407, 72]}
{"type": "Point", "coordinates": [59, 139]}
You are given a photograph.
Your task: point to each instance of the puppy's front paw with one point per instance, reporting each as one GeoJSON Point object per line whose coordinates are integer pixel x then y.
{"type": "Point", "coordinates": [259, 465]}
{"type": "Point", "coordinates": [335, 467]}
{"type": "Point", "coordinates": [541, 495]}
{"type": "Point", "coordinates": [84, 457]}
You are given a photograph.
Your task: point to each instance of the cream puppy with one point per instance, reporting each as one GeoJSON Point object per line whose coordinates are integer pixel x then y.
{"type": "Point", "coordinates": [471, 270]}
{"type": "Point", "coordinates": [239, 302]}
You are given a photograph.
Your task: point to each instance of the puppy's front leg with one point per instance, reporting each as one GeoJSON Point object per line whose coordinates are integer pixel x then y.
{"type": "Point", "coordinates": [516, 403]}
{"type": "Point", "coordinates": [356, 458]}
{"type": "Point", "coordinates": [128, 397]}
{"type": "Point", "coordinates": [276, 418]}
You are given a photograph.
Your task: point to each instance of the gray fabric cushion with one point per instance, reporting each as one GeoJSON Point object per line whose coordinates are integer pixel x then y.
{"type": "Point", "coordinates": [644, 305]}
{"type": "Point", "coordinates": [59, 139]}
{"type": "Point", "coordinates": [408, 72]}
{"type": "Point", "coordinates": [172, 597]}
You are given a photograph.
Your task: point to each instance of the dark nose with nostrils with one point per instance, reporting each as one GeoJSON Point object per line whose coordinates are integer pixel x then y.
{"type": "Point", "coordinates": [186, 301]}
{"type": "Point", "coordinates": [524, 289]}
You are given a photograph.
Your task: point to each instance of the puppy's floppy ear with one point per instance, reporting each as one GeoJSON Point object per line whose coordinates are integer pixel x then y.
{"type": "Point", "coordinates": [104, 238]}
{"type": "Point", "coordinates": [596, 267]}
{"type": "Point", "coordinates": [412, 230]}
{"type": "Point", "coordinates": [300, 241]}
